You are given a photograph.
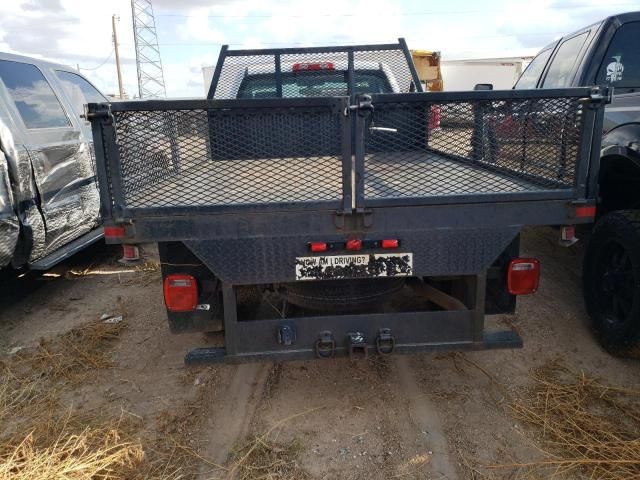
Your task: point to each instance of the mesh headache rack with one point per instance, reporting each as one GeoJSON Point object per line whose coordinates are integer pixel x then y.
{"type": "Point", "coordinates": [296, 72]}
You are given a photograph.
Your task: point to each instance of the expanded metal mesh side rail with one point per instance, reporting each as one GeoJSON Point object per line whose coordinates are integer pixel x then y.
{"type": "Point", "coordinates": [223, 154]}
{"type": "Point", "coordinates": [431, 145]}
{"type": "Point", "coordinates": [314, 72]}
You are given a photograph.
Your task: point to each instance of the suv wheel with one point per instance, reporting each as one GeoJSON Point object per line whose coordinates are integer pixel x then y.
{"type": "Point", "coordinates": [611, 277]}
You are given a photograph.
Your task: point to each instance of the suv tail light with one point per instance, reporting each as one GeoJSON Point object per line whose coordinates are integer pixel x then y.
{"type": "Point", "coordinates": [180, 293]}
{"type": "Point", "coordinates": [523, 276]}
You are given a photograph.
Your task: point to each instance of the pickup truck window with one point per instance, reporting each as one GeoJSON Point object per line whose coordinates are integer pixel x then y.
{"type": "Point", "coordinates": [33, 96]}
{"type": "Point", "coordinates": [559, 73]}
{"type": "Point", "coordinates": [329, 83]}
{"type": "Point", "coordinates": [529, 77]}
{"type": "Point", "coordinates": [621, 65]}
{"type": "Point", "coordinates": [79, 90]}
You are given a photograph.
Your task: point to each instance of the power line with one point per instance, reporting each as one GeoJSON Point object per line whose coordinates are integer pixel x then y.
{"type": "Point", "coordinates": [329, 43]}
{"type": "Point", "coordinates": [105, 61]}
{"type": "Point", "coordinates": [391, 14]}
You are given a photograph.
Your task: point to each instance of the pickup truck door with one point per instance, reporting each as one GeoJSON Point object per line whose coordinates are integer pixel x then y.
{"type": "Point", "coordinates": [53, 140]}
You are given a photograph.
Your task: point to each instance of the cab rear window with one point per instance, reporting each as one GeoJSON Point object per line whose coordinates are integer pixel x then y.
{"type": "Point", "coordinates": [561, 71]}
{"type": "Point", "coordinates": [529, 78]}
{"type": "Point", "coordinates": [313, 83]}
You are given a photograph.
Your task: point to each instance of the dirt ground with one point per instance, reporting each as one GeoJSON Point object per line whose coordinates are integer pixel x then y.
{"type": "Point", "coordinates": [435, 416]}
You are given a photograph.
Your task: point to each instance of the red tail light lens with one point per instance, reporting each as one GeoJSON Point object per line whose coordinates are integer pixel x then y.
{"type": "Point", "coordinates": [390, 243]}
{"type": "Point", "coordinates": [523, 276]}
{"type": "Point", "coordinates": [113, 233]}
{"type": "Point", "coordinates": [302, 67]}
{"type": "Point", "coordinates": [587, 211]}
{"type": "Point", "coordinates": [318, 246]}
{"type": "Point", "coordinates": [180, 293]}
{"type": "Point", "coordinates": [353, 244]}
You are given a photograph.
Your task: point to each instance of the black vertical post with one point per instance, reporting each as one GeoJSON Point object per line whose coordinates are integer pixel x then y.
{"type": "Point", "coordinates": [278, 76]}
{"type": "Point", "coordinates": [412, 67]}
{"type": "Point", "coordinates": [217, 72]}
{"type": "Point", "coordinates": [351, 77]}
{"type": "Point", "coordinates": [97, 128]}
{"type": "Point", "coordinates": [347, 155]}
{"type": "Point", "coordinates": [229, 304]}
{"type": "Point", "coordinates": [360, 137]}
{"type": "Point", "coordinates": [115, 171]}
{"type": "Point", "coordinates": [479, 292]}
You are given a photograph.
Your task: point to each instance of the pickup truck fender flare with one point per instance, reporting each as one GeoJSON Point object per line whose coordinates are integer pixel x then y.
{"type": "Point", "coordinates": [622, 141]}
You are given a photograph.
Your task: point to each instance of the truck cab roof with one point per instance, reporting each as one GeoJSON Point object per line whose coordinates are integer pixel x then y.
{"type": "Point", "coordinates": [577, 58]}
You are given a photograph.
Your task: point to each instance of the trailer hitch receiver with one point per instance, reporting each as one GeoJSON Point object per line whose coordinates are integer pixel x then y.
{"type": "Point", "coordinates": [357, 345]}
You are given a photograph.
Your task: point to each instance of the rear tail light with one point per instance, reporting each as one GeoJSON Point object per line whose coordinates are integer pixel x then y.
{"type": "Point", "coordinates": [303, 67]}
{"type": "Point", "coordinates": [390, 243]}
{"type": "Point", "coordinates": [318, 246]}
{"type": "Point", "coordinates": [523, 276]}
{"type": "Point", "coordinates": [353, 244]}
{"type": "Point", "coordinates": [180, 293]}
{"type": "Point", "coordinates": [113, 233]}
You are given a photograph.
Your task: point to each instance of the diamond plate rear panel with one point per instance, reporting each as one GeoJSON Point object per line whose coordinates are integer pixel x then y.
{"type": "Point", "coordinates": [272, 260]}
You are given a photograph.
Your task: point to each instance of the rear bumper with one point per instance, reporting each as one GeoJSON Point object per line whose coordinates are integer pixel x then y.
{"type": "Point", "coordinates": [493, 340]}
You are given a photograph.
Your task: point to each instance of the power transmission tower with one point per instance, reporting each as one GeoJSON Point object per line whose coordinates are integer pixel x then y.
{"type": "Point", "coordinates": [148, 63]}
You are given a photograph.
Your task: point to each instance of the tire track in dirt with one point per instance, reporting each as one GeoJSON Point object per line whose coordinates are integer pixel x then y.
{"type": "Point", "coordinates": [423, 420]}
{"type": "Point", "coordinates": [232, 409]}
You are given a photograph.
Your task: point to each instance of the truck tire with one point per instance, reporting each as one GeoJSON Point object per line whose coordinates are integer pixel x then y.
{"type": "Point", "coordinates": [611, 277]}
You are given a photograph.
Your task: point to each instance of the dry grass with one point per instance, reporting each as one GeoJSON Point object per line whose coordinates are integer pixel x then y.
{"type": "Point", "coordinates": [75, 353]}
{"type": "Point", "coordinates": [40, 440]}
{"type": "Point", "coordinates": [97, 453]}
{"type": "Point", "coordinates": [587, 429]}
{"type": "Point", "coordinates": [268, 460]}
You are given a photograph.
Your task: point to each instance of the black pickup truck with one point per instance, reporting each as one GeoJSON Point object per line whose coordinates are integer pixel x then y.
{"type": "Point", "coordinates": [318, 203]}
{"type": "Point", "coordinates": [607, 53]}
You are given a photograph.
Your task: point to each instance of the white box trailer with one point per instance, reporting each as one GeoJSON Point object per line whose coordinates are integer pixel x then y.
{"type": "Point", "coordinates": [465, 74]}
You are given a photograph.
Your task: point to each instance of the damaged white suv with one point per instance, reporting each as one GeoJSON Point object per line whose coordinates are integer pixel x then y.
{"type": "Point", "coordinates": [49, 200]}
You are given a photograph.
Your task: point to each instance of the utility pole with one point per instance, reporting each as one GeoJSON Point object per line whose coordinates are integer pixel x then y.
{"type": "Point", "coordinates": [115, 46]}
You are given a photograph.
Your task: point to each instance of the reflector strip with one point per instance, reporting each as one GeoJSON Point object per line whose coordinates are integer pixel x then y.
{"type": "Point", "coordinates": [588, 211]}
{"type": "Point", "coordinates": [113, 232]}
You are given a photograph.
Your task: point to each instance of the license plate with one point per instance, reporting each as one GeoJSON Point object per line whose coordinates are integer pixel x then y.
{"type": "Point", "coordinates": [354, 266]}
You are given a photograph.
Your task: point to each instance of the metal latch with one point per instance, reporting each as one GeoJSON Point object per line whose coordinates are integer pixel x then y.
{"type": "Point", "coordinates": [600, 95]}
{"type": "Point", "coordinates": [104, 111]}
{"type": "Point", "coordinates": [363, 106]}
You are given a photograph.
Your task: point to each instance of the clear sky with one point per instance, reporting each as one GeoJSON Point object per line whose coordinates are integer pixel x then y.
{"type": "Point", "coordinates": [190, 32]}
